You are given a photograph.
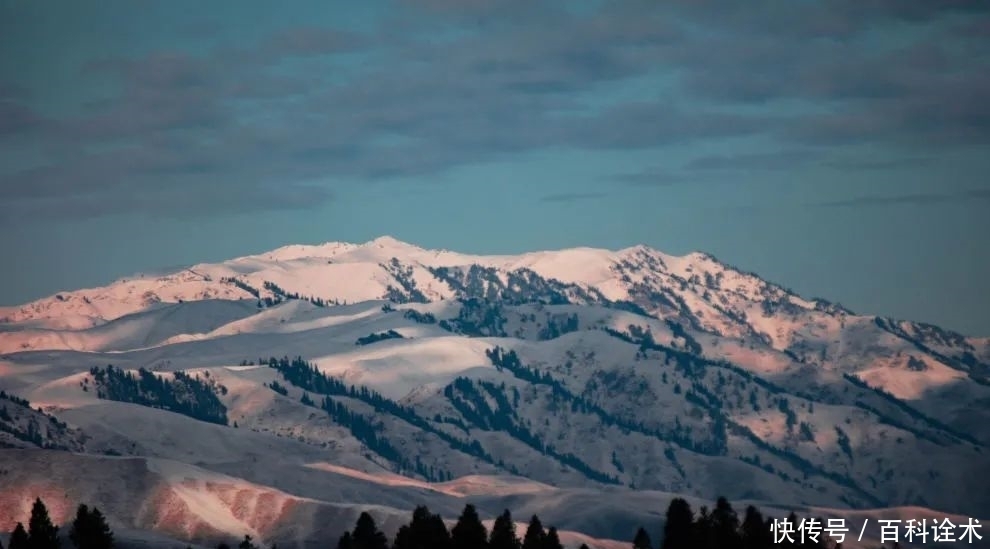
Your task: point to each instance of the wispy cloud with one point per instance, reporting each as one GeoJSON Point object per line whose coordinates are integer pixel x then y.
{"type": "Point", "coordinates": [777, 160]}
{"type": "Point", "coordinates": [565, 198]}
{"type": "Point", "coordinates": [917, 199]}
{"type": "Point", "coordinates": [259, 123]}
{"type": "Point", "coordinates": [655, 178]}
{"type": "Point", "coordinates": [798, 159]}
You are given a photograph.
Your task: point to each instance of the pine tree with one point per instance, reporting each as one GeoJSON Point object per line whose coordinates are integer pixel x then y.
{"type": "Point", "coordinates": [795, 523]}
{"type": "Point", "coordinates": [754, 531]}
{"type": "Point", "coordinates": [102, 534]}
{"type": "Point", "coordinates": [678, 532]}
{"type": "Point", "coordinates": [247, 543]}
{"type": "Point", "coordinates": [642, 540]}
{"type": "Point", "coordinates": [469, 532]}
{"type": "Point", "coordinates": [704, 534]}
{"type": "Point", "coordinates": [366, 534]}
{"type": "Point", "coordinates": [18, 538]}
{"type": "Point", "coordinates": [426, 531]}
{"type": "Point", "coordinates": [552, 541]}
{"type": "Point", "coordinates": [534, 534]}
{"type": "Point", "coordinates": [42, 534]}
{"type": "Point", "coordinates": [725, 524]}
{"type": "Point", "coordinates": [504, 533]}
{"type": "Point", "coordinates": [345, 541]}
{"type": "Point", "coordinates": [90, 529]}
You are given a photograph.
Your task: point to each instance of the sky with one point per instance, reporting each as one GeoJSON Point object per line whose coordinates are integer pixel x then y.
{"type": "Point", "coordinates": [838, 148]}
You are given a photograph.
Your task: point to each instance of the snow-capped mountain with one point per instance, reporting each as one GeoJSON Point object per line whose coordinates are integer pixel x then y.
{"type": "Point", "coordinates": [588, 385]}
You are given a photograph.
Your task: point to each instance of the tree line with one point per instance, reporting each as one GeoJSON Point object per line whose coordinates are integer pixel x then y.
{"type": "Point", "coordinates": [190, 396]}
{"type": "Point", "coordinates": [718, 528]}
{"type": "Point", "coordinates": [89, 530]}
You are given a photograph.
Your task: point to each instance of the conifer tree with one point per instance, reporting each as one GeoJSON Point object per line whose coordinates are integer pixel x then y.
{"type": "Point", "coordinates": [247, 543]}
{"type": "Point", "coordinates": [754, 531]}
{"type": "Point", "coordinates": [504, 533]}
{"type": "Point", "coordinates": [678, 531]}
{"type": "Point", "coordinates": [795, 523]}
{"type": "Point", "coordinates": [642, 540]}
{"type": "Point", "coordinates": [90, 529]}
{"type": "Point", "coordinates": [366, 534]}
{"type": "Point", "coordinates": [426, 531]}
{"type": "Point", "coordinates": [42, 534]}
{"type": "Point", "coordinates": [345, 541]}
{"type": "Point", "coordinates": [725, 524]}
{"type": "Point", "coordinates": [18, 538]}
{"type": "Point", "coordinates": [704, 535]}
{"type": "Point", "coordinates": [534, 534]}
{"type": "Point", "coordinates": [552, 541]}
{"type": "Point", "coordinates": [469, 532]}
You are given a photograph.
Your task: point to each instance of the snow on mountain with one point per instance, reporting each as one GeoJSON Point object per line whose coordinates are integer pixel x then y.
{"type": "Point", "coordinates": [583, 385]}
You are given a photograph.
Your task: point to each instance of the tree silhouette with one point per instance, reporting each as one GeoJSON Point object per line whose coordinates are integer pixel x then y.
{"type": "Point", "coordinates": [469, 532]}
{"type": "Point", "coordinates": [642, 540]}
{"type": "Point", "coordinates": [678, 531]}
{"type": "Point", "coordinates": [725, 524]}
{"type": "Point", "coordinates": [366, 534]}
{"type": "Point", "coordinates": [552, 541]}
{"type": "Point", "coordinates": [247, 543]}
{"type": "Point", "coordinates": [345, 541]}
{"type": "Point", "coordinates": [18, 538]}
{"type": "Point", "coordinates": [754, 531]}
{"type": "Point", "coordinates": [426, 531]}
{"type": "Point", "coordinates": [704, 533]}
{"type": "Point", "coordinates": [504, 533]}
{"type": "Point", "coordinates": [534, 534]}
{"type": "Point", "coordinates": [90, 529]}
{"type": "Point", "coordinates": [42, 534]}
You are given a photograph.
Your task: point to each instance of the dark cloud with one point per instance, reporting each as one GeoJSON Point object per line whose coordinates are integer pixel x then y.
{"type": "Point", "coordinates": [799, 159]}
{"type": "Point", "coordinates": [868, 165]}
{"type": "Point", "coordinates": [17, 118]}
{"type": "Point", "coordinates": [312, 41]}
{"type": "Point", "coordinates": [779, 160]}
{"type": "Point", "coordinates": [917, 199]}
{"type": "Point", "coordinates": [654, 178]}
{"type": "Point", "coordinates": [565, 198]}
{"type": "Point", "coordinates": [237, 121]}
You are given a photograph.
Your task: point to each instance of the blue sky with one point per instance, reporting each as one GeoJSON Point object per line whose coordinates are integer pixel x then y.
{"type": "Point", "coordinates": [839, 148]}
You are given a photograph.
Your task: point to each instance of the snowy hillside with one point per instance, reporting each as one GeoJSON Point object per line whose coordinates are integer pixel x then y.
{"type": "Point", "coordinates": [585, 385]}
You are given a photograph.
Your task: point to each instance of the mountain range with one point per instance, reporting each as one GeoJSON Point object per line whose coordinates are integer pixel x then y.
{"type": "Point", "coordinates": [281, 394]}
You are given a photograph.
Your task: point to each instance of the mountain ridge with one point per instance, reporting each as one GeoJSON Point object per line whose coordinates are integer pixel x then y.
{"type": "Point", "coordinates": [435, 365]}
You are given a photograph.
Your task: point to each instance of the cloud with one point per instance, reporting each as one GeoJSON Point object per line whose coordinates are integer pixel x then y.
{"type": "Point", "coordinates": [917, 199]}
{"type": "Point", "coordinates": [778, 160]}
{"type": "Point", "coordinates": [17, 118]}
{"type": "Point", "coordinates": [799, 159]}
{"type": "Point", "coordinates": [567, 198]}
{"type": "Point", "coordinates": [306, 41]}
{"type": "Point", "coordinates": [457, 83]}
{"type": "Point", "coordinates": [879, 164]}
{"type": "Point", "coordinates": [655, 177]}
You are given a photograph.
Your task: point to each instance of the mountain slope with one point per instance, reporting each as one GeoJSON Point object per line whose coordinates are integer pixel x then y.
{"type": "Point", "coordinates": [437, 366]}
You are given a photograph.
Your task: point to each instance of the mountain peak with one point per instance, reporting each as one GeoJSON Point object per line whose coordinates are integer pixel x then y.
{"type": "Point", "coordinates": [388, 241]}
